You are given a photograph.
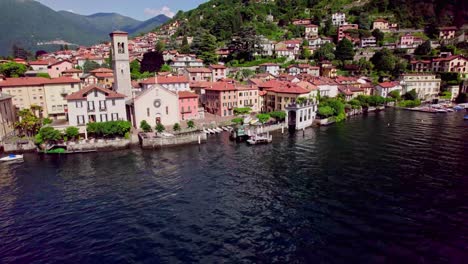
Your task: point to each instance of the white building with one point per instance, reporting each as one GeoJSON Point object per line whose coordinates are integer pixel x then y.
{"type": "Point", "coordinates": [300, 116]}
{"type": "Point", "coordinates": [327, 86]}
{"type": "Point", "coordinates": [427, 86]}
{"type": "Point", "coordinates": [338, 19]}
{"type": "Point", "coordinates": [368, 42]}
{"type": "Point", "coordinates": [95, 104]}
{"type": "Point", "coordinates": [218, 72]}
{"type": "Point", "coordinates": [383, 89]}
{"type": "Point", "coordinates": [271, 68]}
{"type": "Point", "coordinates": [156, 105]}
{"type": "Point", "coordinates": [311, 31]}
{"type": "Point", "coordinates": [186, 61]}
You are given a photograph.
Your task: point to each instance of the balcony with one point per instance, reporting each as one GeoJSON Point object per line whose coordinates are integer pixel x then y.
{"type": "Point", "coordinates": [103, 109]}
{"type": "Point", "coordinates": [91, 109]}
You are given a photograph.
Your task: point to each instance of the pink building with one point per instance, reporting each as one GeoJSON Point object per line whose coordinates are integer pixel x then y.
{"type": "Point", "coordinates": [221, 98]}
{"type": "Point", "coordinates": [188, 105]}
{"type": "Point", "coordinates": [407, 40]}
{"type": "Point", "coordinates": [55, 70]}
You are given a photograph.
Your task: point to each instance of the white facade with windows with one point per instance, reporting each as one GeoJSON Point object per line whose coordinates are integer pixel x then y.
{"type": "Point", "coordinates": [95, 104]}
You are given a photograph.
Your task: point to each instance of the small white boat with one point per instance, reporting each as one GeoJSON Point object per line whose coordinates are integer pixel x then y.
{"type": "Point", "coordinates": [206, 131]}
{"type": "Point", "coordinates": [441, 111]}
{"type": "Point", "coordinates": [225, 128]}
{"type": "Point", "coordinates": [219, 130]}
{"type": "Point", "coordinates": [260, 139]}
{"type": "Point", "coordinates": [449, 110]}
{"type": "Point", "coordinates": [211, 131]}
{"type": "Point", "coordinates": [12, 157]}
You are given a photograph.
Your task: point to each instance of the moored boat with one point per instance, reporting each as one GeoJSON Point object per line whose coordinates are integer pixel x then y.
{"type": "Point", "coordinates": [260, 139]}
{"type": "Point", "coordinates": [12, 157]}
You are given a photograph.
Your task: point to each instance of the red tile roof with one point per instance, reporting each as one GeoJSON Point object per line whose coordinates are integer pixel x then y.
{"type": "Point", "coordinates": [35, 81]}
{"type": "Point", "coordinates": [388, 84]}
{"type": "Point", "coordinates": [288, 88]}
{"type": "Point", "coordinates": [102, 70]}
{"type": "Point", "coordinates": [198, 70]}
{"type": "Point", "coordinates": [104, 75]}
{"type": "Point", "coordinates": [81, 94]}
{"type": "Point", "coordinates": [186, 94]}
{"type": "Point", "coordinates": [217, 66]}
{"type": "Point", "coordinates": [221, 86]}
{"type": "Point", "coordinates": [72, 71]}
{"type": "Point", "coordinates": [39, 62]}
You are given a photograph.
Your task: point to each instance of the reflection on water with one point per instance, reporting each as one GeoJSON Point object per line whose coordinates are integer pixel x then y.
{"type": "Point", "coordinates": [386, 187]}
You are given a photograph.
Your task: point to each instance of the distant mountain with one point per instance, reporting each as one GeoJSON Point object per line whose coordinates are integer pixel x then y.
{"type": "Point", "coordinates": [147, 25]}
{"type": "Point", "coordinates": [27, 22]}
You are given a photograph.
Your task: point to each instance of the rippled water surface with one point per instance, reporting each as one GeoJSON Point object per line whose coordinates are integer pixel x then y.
{"type": "Point", "coordinates": [386, 188]}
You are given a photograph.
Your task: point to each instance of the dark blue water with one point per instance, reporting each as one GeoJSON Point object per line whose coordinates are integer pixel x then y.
{"type": "Point", "coordinates": [356, 192]}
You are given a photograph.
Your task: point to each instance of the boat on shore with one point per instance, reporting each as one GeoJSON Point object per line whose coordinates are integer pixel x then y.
{"type": "Point", "coordinates": [12, 157]}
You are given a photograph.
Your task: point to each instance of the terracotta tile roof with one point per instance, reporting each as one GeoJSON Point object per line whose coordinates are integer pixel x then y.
{"type": "Point", "coordinates": [256, 81]}
{"type": "Point", "coordinates": [307, 85]}
{"type": "Point", "coordinates": [102, 70]}
{"type": "Point", "coordinates": [217, 66]}
{"type": "Point", "coordinates": [166, 80]}
{"type": "Point", "coordinates": [198, 70]}
{"type": "Point", "coordinates": [39, 62]}
{"type": "Point", "coordinates": [221, 86]}
{"type": "Point", "coordinates": [388, 84]}
{"type": "Point", "coordinates": [104, 75]}
{"type": "Point", "coordinates": [81, 94]}
{"type": "Point", "coordinates": [288, 88]}
{"type": "Point", "coordinates": [59, 62]}
{"type": "Point", "coordinates": [262, 93]}
{"type": "Point", "coordinates": [35, 81]}
{"type": "Point", "coordinates": [72, 71]}
{"type": "Point", "coordinates": [186, 94]}
{"type": "Point", "coordinates": [201, 84]}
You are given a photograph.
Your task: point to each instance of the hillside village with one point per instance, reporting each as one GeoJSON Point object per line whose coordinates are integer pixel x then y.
{"type": "Point", "coordinates": [164, 79]}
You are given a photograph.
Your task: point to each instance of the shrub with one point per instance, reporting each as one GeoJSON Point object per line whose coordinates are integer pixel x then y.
{"type": "Point", "coordinates": [410, 103]}
{"type": "Point", "coordinates": [145, 126]}
{"type": "Point", "coordinates": [109, 129]}
{"type": "Point", "coordinates": [160, 128]}
{"type": "Point", "coordinates": [47, 134]}
{"type": "Point", "coordinates": [325, 111]}
{"type": "Point", "coordinates": [263, 118]}
{"type": "Point", "coordinates": [190, 124]}
{"type": "Point", "coordinates": [238, 120]}
{"type": "Point", "coordinates": [176, 127]}
{"type": "Point", "coordinates": [47, 121]}
{"type": "Point", "coordinates": [72, 132]}
{"type": "Point", "coordinates": [278, 115]}
{"type": "Point", "coordinates": [242, 110]}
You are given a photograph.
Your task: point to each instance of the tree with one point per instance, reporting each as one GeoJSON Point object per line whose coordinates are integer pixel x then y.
{"type": "Point", "coordinates": [28, 123]}
{"type": "Point", "coordinates": [378, 35]}
{"type": "Point", "coordinates": [204, 45]}
{"type": "Point", "coordinates": [384, 60]}
{"type": "Point", "coordinates": [325, 111]}
{"type": "Point", "coordinates": [160, 46]}
{"type": "Point", "coordinates": [190, 124]}
{"type": "Point", "coordinates": [263, 118]}
{"type": "Point", "coordinates": [46, 121]}
{"type": "Point", "coordinates": [185, 48]}
{"type": "Point", "coordinates": [344, 50]}
{"type": "Point", "coordinates": [325, 52]}
{"type": "Point", "coordinates": [90, 65]}
{"type": "Point", "coordinates": [395, 94]}
{"type": "Point", "coordinates": [152, 62]}
{"type": "Point", "coordinates": [305, 53]}
{"type": "Point", "coordinates": [72, 132]}
{"type": "Point", "coordinates": [242, 110]}
{"type": "Point", "coordinates": [238, 120]}
{"type": "Point", "coordinates": [166, 68]}
{"type": "Point", "coordinates": [176, 127]}
{"type": "Point", "coordinates": [411, 95]}
{"type": "Point", "coordinates": [13, 69]}
{"type": "Point", "coordinates": [278, 115]}
{"type": "Point", "coordinates": [423, 49]}
{"type": "Point", "coordinates": [245, 44]}
{"type": "Point", "coordinates": [145, 126]}
{"type": "Point", "coordinates": [48, 134]}
{"type": "Point", "coordinates": [365, 65]}
{"type": "Point", "coordinates": [160, 128]}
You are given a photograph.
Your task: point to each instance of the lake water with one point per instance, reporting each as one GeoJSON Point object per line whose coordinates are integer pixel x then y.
{"type": "Point", "coordinates": [383, 188]}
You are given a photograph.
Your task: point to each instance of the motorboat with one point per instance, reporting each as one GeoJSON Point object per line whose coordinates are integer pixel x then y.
{"type": "Point", "coordinates": [11, 157]}
{"type": "Point", "coordinates": [458, 108]}
{"type": "Point", "coordinates": [441, 111]}
{"type": "Point", "coordinates": [260, 139]}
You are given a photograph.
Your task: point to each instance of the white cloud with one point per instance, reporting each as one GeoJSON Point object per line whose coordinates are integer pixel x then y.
{"type": "Point", "coordinates": [158, 11]}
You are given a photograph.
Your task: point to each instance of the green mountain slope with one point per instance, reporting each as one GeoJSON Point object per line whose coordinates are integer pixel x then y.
{"type": "Point", "coordinates": [101, 22]}
{"type": "Point", "coordinates": [224, 18]}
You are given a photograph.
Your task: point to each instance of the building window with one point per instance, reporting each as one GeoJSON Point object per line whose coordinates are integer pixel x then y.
{"type": "Point", "coordinates": [115, 116]}
{"type": "Point", "coordinates": [91, 106]}
{"type": "Point", "coordinates": [147, 112]}
{"type": "Point", "coordinates": [102, 105]}
{"type": "Point", "coordinates": [72, 85]}
{"type": "Point", "coordinates": [167, 110]}
{"type": "Point", "coordinates": [103, 117]}
{"type": "Point", "coordinates": [95, 93]}
{"type": "Point", "coordinates": [80, 119]}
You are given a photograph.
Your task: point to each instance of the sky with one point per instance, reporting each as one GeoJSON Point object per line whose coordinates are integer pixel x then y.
{"type": "Point", "coordinates": [138, 9]}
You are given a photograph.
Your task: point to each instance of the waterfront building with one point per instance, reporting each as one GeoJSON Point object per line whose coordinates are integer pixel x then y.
{"type": "Point", "coordinates": [37, 91]}
{"type": "Point", "coordinates": [326, 86]}
{"type": "Point", "coordinates": [426, 86]}
{"type": "Point", "coordinates": [156, 105]}
{"type": "Point", "coordinates": [221, 98]}
{"type": "Point", "coordinates": [188, 106]}
{"type": "Point", "coordinates": [301, 115]}
{"type": "Point", "coordinates": [175, 83]}
{"type": "Point", "coordinates": [95, 104]}
{"type": "Point", "coordinates": [248, 97]}
{"type": "Point", "coordinates": [121, 63]}
{"type": "Point", "coordinates": [281, 93]}
{"type": "Point", "coordinates": [383, 89]}
{"type": "Point", "coordinates": [7, 116]}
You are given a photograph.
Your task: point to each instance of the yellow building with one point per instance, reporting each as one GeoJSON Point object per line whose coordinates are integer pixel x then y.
{"type": "Point", "coordinates": [29, 91]}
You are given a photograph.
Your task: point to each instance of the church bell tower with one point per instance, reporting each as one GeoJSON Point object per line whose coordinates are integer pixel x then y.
{"type": "Point", "coordinates": [121, 63]}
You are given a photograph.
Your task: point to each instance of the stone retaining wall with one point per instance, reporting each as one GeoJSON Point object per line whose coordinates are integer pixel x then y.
{"type": "Point", "coordinates": [22, 147]}
{"type": "Point", "coordinates": [99, 144]}
{"type": "Point", "coordinates": [153, 142]}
